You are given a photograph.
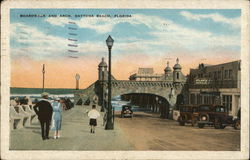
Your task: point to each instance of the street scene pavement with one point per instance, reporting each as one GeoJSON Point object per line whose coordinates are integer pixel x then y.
{"type": "Point", "coordinates": [145, 131]}
{"type": "Point", "coordinates": [148, 132]}
{"type": "Point", "coordinates": [75, 135]}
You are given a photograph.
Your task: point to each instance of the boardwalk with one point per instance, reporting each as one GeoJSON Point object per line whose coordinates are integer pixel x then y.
{"type": "Point", "coordinates": [75, 135]}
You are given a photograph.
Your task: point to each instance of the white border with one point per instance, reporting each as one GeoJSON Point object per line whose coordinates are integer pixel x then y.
{"type": "Point", "coordinates": [157, 4]}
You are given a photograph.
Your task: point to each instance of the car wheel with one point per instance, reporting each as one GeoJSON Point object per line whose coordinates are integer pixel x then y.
{"type": "Point", "coordinates": [181, 121]}
{"type": "Point", "coordinates": [222, 127]}
{"type": "Point", "coordinates": [237, 125]}
{"type": "Point", "coordinates": [217, 124]}
{"type": "Point", "coordinates": [200, 125]}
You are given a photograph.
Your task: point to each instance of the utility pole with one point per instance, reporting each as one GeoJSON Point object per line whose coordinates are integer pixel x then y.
{"type": "Point", "coordinates": [43, 71]}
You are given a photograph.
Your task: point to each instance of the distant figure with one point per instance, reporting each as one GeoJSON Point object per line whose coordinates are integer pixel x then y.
{"type": "Point", "coordinates": [62, 101]}
{"type": "Point", "coordinates": [17, 100]}
{"type": "Point", "coordinates": [13, 102]}
{"type": "Point", "coordinates": [57, 116]}
{"type": "Point", "coordinates": [44, 111]}
{"type": "Point", "coordinates": [24, 100]}
{"type": "Point", "coordinates": [68, 104]}
{"type": "Point", "coordinates": [93, 115]}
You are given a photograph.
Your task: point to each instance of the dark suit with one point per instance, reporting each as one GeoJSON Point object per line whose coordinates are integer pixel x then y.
{"type": "Point", "coordinates": [44, 112]}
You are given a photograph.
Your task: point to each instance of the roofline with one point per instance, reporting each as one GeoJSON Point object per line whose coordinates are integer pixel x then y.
{"type": "Point", "coordinates": [212, 65]}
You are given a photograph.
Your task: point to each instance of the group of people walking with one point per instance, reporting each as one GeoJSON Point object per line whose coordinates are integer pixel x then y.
{"type": "Point", "coordinates": [50, 116]}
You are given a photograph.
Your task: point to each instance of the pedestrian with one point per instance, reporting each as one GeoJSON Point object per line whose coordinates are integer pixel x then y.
{"type": "Point", "coordinates": [57, 116]}
{"type": "Point", "coordinates": [93, 115]}
{"type": "Point", "coordinates": [44, 111]}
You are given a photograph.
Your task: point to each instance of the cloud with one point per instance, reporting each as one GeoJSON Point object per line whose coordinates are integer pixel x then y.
{"type": "Point", "coordinates": [29, 41]}
{"type": "Point", "coordinates": [38, 45]}
{"type": "Point", "coordinates": [234, 22]}
{"type": "Point", "coordinates": [165, 38]}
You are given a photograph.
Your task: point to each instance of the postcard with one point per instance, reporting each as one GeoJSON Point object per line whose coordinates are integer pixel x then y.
{"type": "Point", "coordinates": [125, 79]}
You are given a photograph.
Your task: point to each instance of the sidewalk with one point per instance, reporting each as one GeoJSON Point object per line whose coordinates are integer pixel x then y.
{"type": "Point", "coordinates": [75, 135]}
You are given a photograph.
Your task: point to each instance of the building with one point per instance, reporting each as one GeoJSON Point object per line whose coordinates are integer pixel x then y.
{"type": "Point", "coordinates": [147, 74]}
{"type": "Point", "coordinates": [216, 84]}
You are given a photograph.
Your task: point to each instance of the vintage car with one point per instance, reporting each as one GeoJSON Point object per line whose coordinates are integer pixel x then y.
{"type": "Point", "coordinates": [216, 115]}
{"type": "Point", "coordinates": [188, 114]}
{"type": "Point", "coordinates": [126, 111]}
{"type": "Point", "coordinates": [205, 113]}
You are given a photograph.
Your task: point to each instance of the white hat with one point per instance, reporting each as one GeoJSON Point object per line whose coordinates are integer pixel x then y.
{"type": "Point", "coordinates": [44, 94]}
{"type": "Point", "coordinates": [56, 98]}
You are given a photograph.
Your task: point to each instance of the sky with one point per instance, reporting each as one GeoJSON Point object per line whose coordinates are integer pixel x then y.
{"type": "Point", "coordinates": [70, 41]}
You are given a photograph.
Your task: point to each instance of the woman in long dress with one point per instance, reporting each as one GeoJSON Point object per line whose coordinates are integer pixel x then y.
{"type": "Point", "coordinates": [56, 117]}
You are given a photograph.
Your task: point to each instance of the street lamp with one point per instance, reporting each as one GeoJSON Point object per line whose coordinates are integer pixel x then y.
{"type": "Point", "coordinates": [77, 81]}
{"type": "Point", "coordinates": [109, 124]}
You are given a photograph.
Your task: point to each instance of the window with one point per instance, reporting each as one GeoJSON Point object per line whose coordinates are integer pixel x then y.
{"type": "Point", "coordinates": [227, 101]}
{"type": "Point", "coordinates": [209, 74]}
{"type": "Point", "coordinates": [204, 108]}
{"type": "Point", "coordinates": [177, 75]}
{"type": "Point", "coordinates": [230, 74]}
{"type": "Point", "coordinates": [226, 74]}
{"type": "Point", "coordinates": [199, 99]}
{"type": "Point", "coordinates": [215, 75]}
{"type": "Point", "coordinates": [219, 74]}
{"type": "Point", "coordinates": [192, 98]}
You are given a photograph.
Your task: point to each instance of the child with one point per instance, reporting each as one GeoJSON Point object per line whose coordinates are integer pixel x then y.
{"type": "Point", "coordinates": [93, 115]}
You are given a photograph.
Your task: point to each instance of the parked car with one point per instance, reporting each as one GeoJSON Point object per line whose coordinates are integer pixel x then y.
{"type": "Point", "coordinates": [216, 115]}
{"type": "Point", "coordinates": [188, 114]}
{"type": "Point", "coordinates": [205, 114]}
{"type": "Point", "coordinates": [222, 118]}
{"type": "Point", "coordinates": [126, 111]}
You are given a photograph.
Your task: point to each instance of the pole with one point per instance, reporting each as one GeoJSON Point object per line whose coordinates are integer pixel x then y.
{"type": "Point", "coordinates": [109, 124]}
{"type": "Point", "coordinates": [43, 75]}
{"type": "Point", "coordinates": [77, 84]}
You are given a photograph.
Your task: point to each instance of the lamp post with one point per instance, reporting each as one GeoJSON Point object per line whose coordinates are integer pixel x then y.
{"type": "Point", "coordinates": [109, 124]}
{"type": "Point", "coordinates": [77, 81]}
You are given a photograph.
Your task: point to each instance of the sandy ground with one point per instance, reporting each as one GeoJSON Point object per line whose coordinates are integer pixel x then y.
{"type": "Point", "coordinates": [146, 131]}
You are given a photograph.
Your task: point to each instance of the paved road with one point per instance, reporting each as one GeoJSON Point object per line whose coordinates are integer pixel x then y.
{"type": "Point", "coordinates": [147, 132]}
{"type": "Point", "coordinates": [75, 135]}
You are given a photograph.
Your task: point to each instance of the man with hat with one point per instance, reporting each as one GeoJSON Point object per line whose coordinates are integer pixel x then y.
{"type": "Point", "coordinates": [44, 112]}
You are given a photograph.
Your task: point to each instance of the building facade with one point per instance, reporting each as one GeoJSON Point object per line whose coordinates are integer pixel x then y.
{"type": "Point", "coordinates": [216, 84]}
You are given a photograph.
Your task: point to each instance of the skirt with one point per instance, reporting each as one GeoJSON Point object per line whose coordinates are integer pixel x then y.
{"type": "Point", "coordinates": [92, 122]}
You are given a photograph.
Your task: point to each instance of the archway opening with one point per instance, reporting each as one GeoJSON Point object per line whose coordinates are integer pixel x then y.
{"type": "Point", "coordinates": [143, 103]}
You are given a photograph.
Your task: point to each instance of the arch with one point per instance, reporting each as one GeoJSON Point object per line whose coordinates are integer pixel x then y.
{"type": "Point", "coordinates": [149, 102]}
